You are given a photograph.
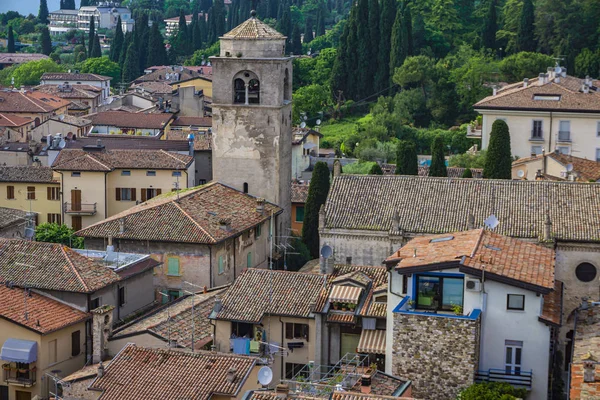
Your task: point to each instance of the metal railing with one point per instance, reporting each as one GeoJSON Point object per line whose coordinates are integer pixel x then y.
{"type": "Point", "coordinates": [20, 376]}
{"type": "Point", "coordinates": [80, 208]}
{"type": "Point", "coordinates": [516, 378]}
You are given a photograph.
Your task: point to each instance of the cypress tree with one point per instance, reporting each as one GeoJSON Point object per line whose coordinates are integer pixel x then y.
{"type": "Point", "coordinates": [320, 31]}
{"type": "Point", "coordinates": [96, 50]}
{"type": "Point", "coordinates": [84, 53]}
{"type": "Point", "coordinates": [407, 38]}
{"type": "Point", "coordinates": [386, 23]}
{"type": "Point", "coordinates": [401, 44]}
{"type": "Point", "coordinates": [351, 56]}
{"type": "Point", "coordinates": [284, 25]}
{"type": "Point", "coordinates": [182, 40]}
{"type": "Point", "coordinates": [364, 78]}
{"type": "Point", "coordinates": [142, 35]}
{"type": "Point", "coordinates": [84, 3]}
{"type": "Point", "coordinates": [211, 34]}
{"type": "Point", "coordinates": [340, 65]}
{"type": "Point", "coordinates": [245, 8]}
{"type": "Point", "coordinates": [317, 195]}
{"type": "Point", "coordinates": [70, 4]}
{"type": "Point", "coordinates": [296, 40]}
{"type": "Point", "coordinates": [11, 40]}
{"type": "Point", "coordinates": [525, 32]}
{"type": "Point", "coordinates": [203, 28]}
{"type": "Point", "coordinates": [46, 42]}
{"type": "Point", "coordinates": [131, 68]}
{"type": "Point", "coordinates": [117, 43]}
{"type": "Point", "coordinates": [490, 27]}
{"type": "Point", "coordinates": [272, 9]}
{"type": "Point", "coordinates": [219, 17]}
{"type": "Point", "coordinates": [157, 55]}
{"type": "Point", "coordinates": [126, 42]}
{"type": "Point", "coordinates": [498, 160]}
{"type": "Point", "coordinates": [205, 5]}
{"type": "Point", "coordinates": [374, 36]}
{"type": "Point", "coordinates": [467, 173]}
{"type": "Point", "coordinates": [407, 162]}
{"type": "Point", "coordinates": [376, 170]}
{"type": "Point", "coordinates": [197, 33]}
{"type": "Point", "coordinates": [43, 12]}
{"type": "Point", "coordinates": [438, 161]}
{"type": "Point", "coordinates": [308, 30]}
{"type": "Point", "coordinates": [91, 35]}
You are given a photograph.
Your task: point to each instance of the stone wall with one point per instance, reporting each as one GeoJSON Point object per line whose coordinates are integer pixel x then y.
{"type": "Point", "coordinates": [440, 355]}
{"type": "Point", "coordinates": [585, 368]}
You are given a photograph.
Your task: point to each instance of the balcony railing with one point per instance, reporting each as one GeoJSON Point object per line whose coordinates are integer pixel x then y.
{"type": "Point", "coordinates": [17, 376]}
{"type": "Point", "coordinates": [518, 379]}
{"type": "Point", "coordinates": [564, 136]}
{"type": "Point", "coordinates": [80, 208]}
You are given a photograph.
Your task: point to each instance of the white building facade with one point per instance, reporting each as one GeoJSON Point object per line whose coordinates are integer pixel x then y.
{"type": "Point", "coordinates": [99, 81]}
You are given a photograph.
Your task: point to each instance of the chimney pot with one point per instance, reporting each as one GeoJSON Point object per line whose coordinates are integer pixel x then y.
{"type": "Point", "coordinates": [260, 205]}
{"type": "Point", "coordinates": [122, 225]}
{"type": "Point", "coordinates": [100, 370]}
{"type": "Point", "coordinates": [365, 384]}
{"type": "Point", "coordinates": [494, 91]}
{"type": "Point", "coordinates": [471, 222]}
{"type": "Point", "coordinates": [231, 375]}
{"type": "Point", "coordinates": [337, 168]}
{"type": "Point", "coordinates": [525, 82]}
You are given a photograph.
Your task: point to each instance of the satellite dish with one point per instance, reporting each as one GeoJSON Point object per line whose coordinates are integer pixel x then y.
{"type": "Point", "coordinates": [303, 125]}
{"type": "Point", "coordinates": [326, 251]}
{"type": "Point", "coordinates": [491, 222]}
{"type": "Point", "coordinates": [521, 173]}
{"type": "Point", "coordinates": [569, 167]}
{"type": "Point", "coordinates": [318, 122]}
{"type": "Point", "coordinates": [62, 144]}
{"type": "Point", "coordinates": [265, 376]}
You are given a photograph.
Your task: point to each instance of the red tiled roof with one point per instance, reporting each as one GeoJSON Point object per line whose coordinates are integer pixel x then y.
{"type": "Point", "coordinates": [72, 92]}
{"type": "Point", "coordinates": [552, 310]}
{"type": "Point", "coordinates": [299, 193]}
{"type": "Point", "coordinates": [121, 119]}
{"type": "Point", "coordinates": [66, 76]}
{"type": "Point", "coordinates": [44, 315]}
{"type": "Point", "coordinates": [202, 141]}
{"type": "Point", "coordinates": [108, 160]}
{"type": "Point", "coordinates": [27, 173]}
{"type": "Point", "coordinates": [193, 121]}
{"type": "Point", "coordinates": [29, 102]}
{"type": "Point", "coordinates": [341, 317]}
{"type": "Point", "coordinates": [13, 121]}
{"type": "Point", "coordinates": [588, 170]}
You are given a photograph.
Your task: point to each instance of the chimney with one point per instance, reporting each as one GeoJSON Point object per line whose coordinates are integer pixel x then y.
{"type": "Point", "coordinates": [547, 228]}
{"type": "Point", "coordinates": [525, 82]}
{"type": "Point", "coordinates": [550, 73]}
{"type": "Point", "coordinates": [260, 205]}
{"type": "Point", "coordinates": [337, 168]}
{"type": "Point", "coordinates": [471, 222]}
{"type": "Point", "coordinates": [110, 249]}
{"type": "Point", "coordinates": [122, 225]}
{"type": "Point", "coordinates": [538, 175]}
{"type": "Point", "coordinates": [588, 80]}
{"type": "Point", "coordinates": [585, 89]}
{"type": "Point", "coordinates": [365, 384]}
{"type": "Point", "coordinates": [396, 222]}
{"type": "Point", "coordinates": [541, 79]}
{"type": "Point", "coordinates": [100, 370]}
{"type": "Point", "coordinates": [231, 375]}
{"type": "Point", "coordinates": [99, 143]}
{"type": "Point", "coordinates": [190, 139]}
{"type": "Point", "coordinates": [494, 91]}
{"type": "Point", "coordinates": [102, 321]}
{"type": "Point", "coordinates": [282, 391]}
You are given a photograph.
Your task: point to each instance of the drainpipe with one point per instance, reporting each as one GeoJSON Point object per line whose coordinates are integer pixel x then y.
{"type": "Point", "coordinates": [550, 135]}
{"type": "Point", "coordinates": [105, 196]}
{"type": "Point", "coordinates": [210, 266]}
{"type": "Point", "coordinates": [282, 333]}
{"type": "Point", "coordinates": [62, 198]}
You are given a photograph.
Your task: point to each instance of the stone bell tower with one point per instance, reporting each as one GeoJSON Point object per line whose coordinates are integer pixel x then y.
{"type": "Point", "coordinates": [252, 112]}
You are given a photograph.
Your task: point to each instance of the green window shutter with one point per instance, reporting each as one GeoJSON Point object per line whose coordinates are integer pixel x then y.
{"type": "Point", "coordinates": [165, 299]}
{"type": "Point", "coordinates": [249, 260]}
{"type": "Point", "coordinates": [173, 266]}
{"type": "Point", "coordinates": [299, 213]}
{"type": "Point", "coordinates": [221, 269]}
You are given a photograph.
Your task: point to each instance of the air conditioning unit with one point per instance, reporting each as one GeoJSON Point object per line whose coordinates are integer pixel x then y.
{"type": "Point", "coordinates": [473, 285]}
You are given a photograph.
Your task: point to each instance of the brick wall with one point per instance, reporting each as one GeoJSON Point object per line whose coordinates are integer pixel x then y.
{"type": "Point", "coordinates": [440, 355]}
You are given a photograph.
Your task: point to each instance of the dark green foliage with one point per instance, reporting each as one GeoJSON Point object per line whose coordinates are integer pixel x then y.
{"type": "Point", "coordinates": [141, 38]}
{"type": "Point", "coordinates": [84, 3]}
{"type": "Point", "coordinates": [587, 63]}
{"type": "Point", "coordinates": [376, 170]}
{"type": "Point", "coordinates": [308, 30]}
{"type": "Point", "coordinates": [294, 262]}
{"type": "Point", "coordinates": [55, 233]}
{"type": "Point", "coordinates": [364, 79]}
{"type": "Point", "coordinates": [386, 23]}
{"type": "Point", "coordinates": [46, 42]}
{"type": "Point", "coordinates": [132, 64]}
{"type": "Point", "coordinates": [296, 41]}
{"type": "Point", "coordinates": [492, 391]}
{"type": "Point", "coordinates": [498, 161]}
{"type": "Point", "coordinates": [67, 5]}
{"type": "Point", "coordinates": [401, 42]}
{"type": "Point", "coordinates": [43, 12]}
{"type": "Point", "coordinates": [320, 31]}
{"type": "Point", "coordinates": [91, 35]}
{"type": "Point", "coordinates": [524, 65]}
{"type": "Point", "coordinates": [182, 44]}
{"type": "Point", "coordinates": [219, 14]}
{"type": "Point", "coordinates": [205, 5]}
{"type": "Point", "coordinates": [468, 173]}
{"type": "Point", "coordinates": [11, 41]}
{"type": "Point", "coordinates": [317, 195]}
{"type": "Point", "coordinates": [490, 26]}
{"type": "Point", "coordinates": [284, 24]}
{"type": "Point", "coordinates": [438, 160]}
{"type": "Point", "coordinates": [96, 50]}
{"type": "Point", "coordinates": [116, 45]}
{"type": "Point", "coordinates": [407, 162]}
{"type": "Point", "coordinates": [526, 33]}
{"type": "Point", "coordinates": [157, 54]}
{"type": "Point", "coordinates": [373, 42]}
{"type": "Point", "coordinates": [128, 40]}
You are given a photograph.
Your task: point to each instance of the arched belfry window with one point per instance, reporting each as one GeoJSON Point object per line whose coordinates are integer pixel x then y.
{"type": "Point", "coordinates": [246, 88]}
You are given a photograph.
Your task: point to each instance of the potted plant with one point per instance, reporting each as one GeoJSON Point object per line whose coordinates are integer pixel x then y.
{"type": "Point", "coordinates": [6, 367]}
{"type": "Point", "coordinates": [23, 370]}
{"type": "Point", "coordinates": [457, 309]}
{"type": "Point", "coordinates": [411, 304]}
{"type": "Point", "coordinates": [352, 306]}
{"type": "Point", "coordinates": [335, 305]}
{"type": "Point", "coordinates": [344, 306]}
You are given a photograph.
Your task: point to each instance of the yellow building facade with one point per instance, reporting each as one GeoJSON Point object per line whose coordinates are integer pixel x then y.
{"type": "Point", "coordinates": [198, 83]}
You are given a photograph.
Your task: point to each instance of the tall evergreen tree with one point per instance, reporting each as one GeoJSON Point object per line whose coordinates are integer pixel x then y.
{"type": "Point", "coordinates": [85, 54]}
{"type": "Point", "coordinates": [401, 43]}
{"type": "Point", "coordinates": [157, 54]}
{"type": "Point", "coordinates": [128, 40]}
{"type": "Point", "coordinates": [91, 35]}
{"type": "Point", "coordinates": [245, 8]}
{"type": "Point", "coordinates": [296, 40]}
{"type": "Point", "coordinates": [320, 29]}
{"type": "Point", "coordinates": [117, 43]}
{"type": "Point", "coordinates": [467, 173]}
{"type": "Point", "coordinates": [203, 28]}
{"type": "Point", "coordinates": [182, 39]}
{"type": "Point", "coordinates": [273, 5]}
{"type": "Point", "coordinates": [43, 12]}
{"type": "Point", "coordinates": [211, 31]}
{"type": "Point", "coordinates": [84, 3]}
{"type": "Point", "coordinates": [438, 160]}
{"type": "Point", "coordinates": [142, 35]}
{"type": "Point", "coordinates": [131, 67]}
{"type": "Point", "coordinates": [220, 14]}
{"type": "Point", "coordinates": [70, 4]}
{"type": "Point", "coordinates": [526, 31]}
{"type": "Point", "coordinates": [46, 41]}
{"type": "Point", "coordinates": [498, 160]}
{"type": "Point", "coordinates": [308, 30]}
{"type": "Point", "coordinates": [197, 33]}
{"type": "Point", "coordinates": [364, 79]}
{"type": "Point", "coordinates": [374, 36]}
{"type": "Point", "coordinates": [490, 26]}
{"type": "Point", "coordinates": [317, 195]}
{"type": "Point", "coordinates": [352, 56]}
{"type": "Point", "coordinates": [407, 161]}
{"type": "Point", "coordinates": [339, 70]}
{"type": "Point", "coordinates": [205, 5]}
{"type": "Point", "coordinates": [284, 25]}
{"type": "Point", "coordinates": [11, 40]}
{"type": "Point", "coordinates": [386, 23]}
{"type": "Point", "coordinates": [96, 50]}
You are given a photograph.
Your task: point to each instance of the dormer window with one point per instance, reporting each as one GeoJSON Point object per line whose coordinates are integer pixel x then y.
{"type": "Point", "coordinates": [546, 97]}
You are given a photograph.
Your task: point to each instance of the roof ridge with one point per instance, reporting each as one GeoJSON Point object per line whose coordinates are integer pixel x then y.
{"type": "Point", "coordinates": [98, 161]}
{"type": "Point", "coordinates": [478, 243]}
{"type": "Point", "coordinates": [33, 102]}
{"type": "Point", "coordinates": [194, 221]}
{"type": "Point", "coordinates": [172, 156]}
{"type": "Point", "coordinates": [62, 248]}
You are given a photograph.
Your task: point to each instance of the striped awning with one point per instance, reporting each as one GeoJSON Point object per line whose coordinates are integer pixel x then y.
{"type": "Point", "coordinates": [345, 294]}
{"type": "Point", "coordinates": [372, 342]}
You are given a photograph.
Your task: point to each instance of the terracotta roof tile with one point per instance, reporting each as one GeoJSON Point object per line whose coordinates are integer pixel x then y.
{"type": "Point", "coordinates": [253, 28]}
{"type": "Point", "coordinates": [257, 292]}
{"type": "Point", "coordinates": [160, 75]}
{"type": "Point", "coordinates": [341, 317]}
{"type": "Point", "coordinates": [65, 76]}
{"type": "Point", "coordinates": [44, 315]}
{"type": "Point", "coordinates": [51, 266]}
{"type": "Point", "coordinates": [193, 121]}
{"type": "Point", "coordinates": [382, 385]}
{"type": "Point", "coordinates": [453, 172]}
{"type": "Point", "coordinates": [10, 216]}
{"type": "Point", "coordinates": [193, 218]}
{"type": "Point", "coordinates": [202, 141]}
{"type": "Point", "coordinates": [153, 87]}
{"type": "Point", "coordinates": [71, 92]}
{"type": "Point", "coordinates": [161, 374]}
{"type": "Point", "coordinates": [299, 193]}
{"type": "Point", "coordinates": [13, 121]}
{"type": "Point", "coordinates": [122, 119]}
{"type": "Point", "coordinates": [19, 58]}
{"type": "Point", "coordinates": [362, 396]}
{"type": "Point", "coordinates": [27, 173]}
{"type": "Point", "coordinates": [435, 205]}
{"type": "Point", "coordinates": [29, 102]}
{"type": "Point", "coordinates": [108, 160]}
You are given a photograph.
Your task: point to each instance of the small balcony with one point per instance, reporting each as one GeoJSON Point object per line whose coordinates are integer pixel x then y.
{"type": "Point", "coordinates": [564, 136]}
{"type": "Point", "coordinates": [80, 208]}
{"type": "Point", "coordinates": [21, 375]}
{"type": "Point", "coordinates": [519, 379]}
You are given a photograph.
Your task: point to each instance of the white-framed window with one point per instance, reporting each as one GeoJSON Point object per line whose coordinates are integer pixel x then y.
{"type": "Point", "coordinates": [537, 132]}
{"type": "Point", "coordinates": [513, 351]}
{"type": "Point", "coordinates": [515, 302]}
{"type": "Point", "coordinates": [564, 131]}
{"type": "Point", "coordinates": [564, 150]}
{"type": "Point", "coordinates": [598, 128]}
{"type": "Point", "coordinates": [75, 174]}
{"type": "Point", "coordinates": [150, 173]}
{"type": "Point", "coordinates": [536, 150]}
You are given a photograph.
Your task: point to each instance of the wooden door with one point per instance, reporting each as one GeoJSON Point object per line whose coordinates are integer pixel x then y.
{"type": "Point", "coordinates": [23, 395]}
{"type": "Point", "coordinates": [76, 200]}
{"type": "Point", "coordinates": [76, 222]}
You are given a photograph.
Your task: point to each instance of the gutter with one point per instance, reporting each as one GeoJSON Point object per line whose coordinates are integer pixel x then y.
{"type": "Point", "coordinates": [282, 334]}
{"type": "Point", "coordinates": [62, 198]}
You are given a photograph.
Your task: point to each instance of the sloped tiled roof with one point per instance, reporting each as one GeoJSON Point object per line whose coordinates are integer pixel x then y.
{"type": "Point", "coordinates": [27, 173]}
{"type": "Point", "coordinates": [71, 120]}
{"type": "Point", "coordinates": [435, 205]}
{"type": "Point", "coordinates": [13, 121]}
{"type": "Point", "coordinates": [202, 142]}
{"type": "Point", "coordinates": [122, 119]}
{"type": "Point", "coordinates": [131, 143]}
{"type": "Point", "coordinates": [193, 218]}
{"type": "Point", "coordinates": [29, 102]}
{"type": "Point", "coordinates": [257, 292]}
{"type": "Point", "coordinates": [509, 260]}
{"type": "Point", "coordinates": [18, 58]}
{"type": "Point", "coordinates": [253, 28]}
{"type": "Point", "coordinates": [44, 315]}
{"type": "Point", "coordinates": [588, 170]}
{"type": "Point", "coordinates": [193, 121]}
{"type": "Point", "coordinates": [453, 172]}
{"type": "Point", "coordinates": [51, 266]}
{"type": "Point", "coordinates": [10, 216]}
{"type": "Point", "coordinates": [299, 193]}
{"type": "Point", "coordinates": [65, 76]}
{"type": "Point", "coordinates": [73, 92]}
{"type": "Point", "coordinates": [108, 160]}
{"type": "Point", "coordinates": [145, 373]}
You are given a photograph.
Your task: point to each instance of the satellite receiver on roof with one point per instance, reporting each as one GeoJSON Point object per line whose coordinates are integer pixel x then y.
{"type": "Point", "coordinates": [569, 167]}
{"type": "Point", "coordinates": [62, 144]}
{"type": "Point", "coordinates": [521, 173]}
{"type": "Point", "coordinates": [491, 222]}
{"type": "Point", "coordinates": [326, 251]}
{"type": "Point", "coordinates": [265, 376]}
{"type": "Point", "coordinates": [318, 122]}
{"type": "Point", "coordinates": [303, 125]}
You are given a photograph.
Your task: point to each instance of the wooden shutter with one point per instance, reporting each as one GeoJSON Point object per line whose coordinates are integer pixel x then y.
{"type": "Point", "coordinates": [158, 192]}
{"type": "Point", "coordinates": [10, 192]}
{"type": "Point", "coordinates": [143, 194]}
{"type": "Point", "coordinates": [35, 219]}
{"type": "Point", "coordinates": [30, 192]}
{"type": "Point", "coordinates": [49, 192]}
{"type": "Point", "coordinates": [118, 194]}
{"type": "Point", "coordinates": [289, 330]}
{"type": "Point", "coordinates": [133, 198]}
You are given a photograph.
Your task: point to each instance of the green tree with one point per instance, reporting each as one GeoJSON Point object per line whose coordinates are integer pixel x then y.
{"type": "Point", "coordinates": [498, 161]}
{"type": "Point", "coordinates": [31, 72]}
{"type": "Point", "coordinates": [296, 41]}
{"type": "Point", "coordinates": [467, 173]}
{"type": "Point", "coordinates": [374, 36]}
{"type": "Point", "coordinates": [317, 195]}
{"type": "Point", "coordinates": [131, 67]}
{"type": "Point", "coordinates": [407, 162]}
{"type": "Point", "coordinates": [320, 31]}
{"type": "Point", "coordinates": [96, 50]}
{"type": "Point", "coordinates": [492, 391]}
{"type": "Point", "coordinates": [157, 54]}
{"type": "Point", "coordinates": [196, 34]}
{"type": "Point", "coordinates": [46, 42]}
{"type": "Point", "coordinates": [55, 233]}
{"type": "Point", "coordinates": [91, 36]}
{"type": "Point", "coordinates": [376, 170]}
{"type": "Point", "coordinates": [11, 41]}
{"type": "Point", "coordinates": [101, 66]}
{"type": "Point", "coordinates": [296, 261]}
{"type": "Point", "coordinates": [310, 99]}
{"type": "Point", "coordinates": [43, 12]}
{"type": "Point", "coordinates": [587, 63]}
{"type": "Point", "coordinates": [468, 160]}
{"type": "Point", "coordinates": [524, 65]}
{"type": "Point", "coordinates": [364, 79]}
{"type": "Point", "coordinates": [116, 45]}
{"type": "Point", "coordinates": [438, 160]}
{"type": "Point", "coordinates": [182, 39]}
{"type": "Point", "coordinates": [490, 26]}
{"type": "Point", "coordinates": [308, 30]}
{"type": "Point", "coordinates": [401, 42]}
{"type": "Point", "coordinates": [386, 23]}
{"type": "Point", "coordinates": [526, 32]}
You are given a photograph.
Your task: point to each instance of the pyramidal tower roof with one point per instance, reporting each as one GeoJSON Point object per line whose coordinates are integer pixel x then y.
{"type": "Point", "coordinates": [253, 28]}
